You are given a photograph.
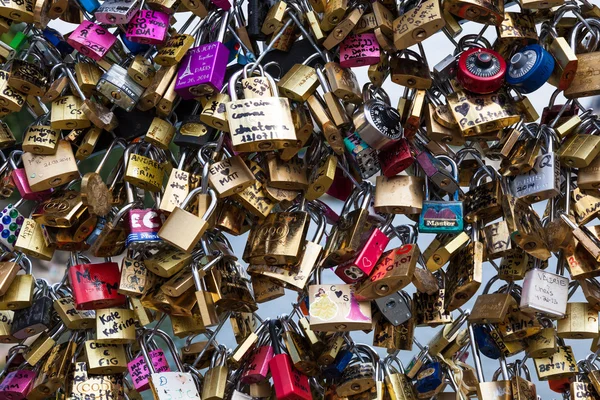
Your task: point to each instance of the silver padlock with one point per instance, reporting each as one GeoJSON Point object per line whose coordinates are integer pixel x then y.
{"type": "Point", "coordinates": [376, 122]}
{"type": "Point", "coordinates": [117, 12]}
{"type": "Point", "coordinates": [119, 88]}
{"type": "Point", "coordinates": [544, 292]}
{"type": "Point", "coordinates": [542, 182]}
{"type": "Point", "coordinates": [396, 308]}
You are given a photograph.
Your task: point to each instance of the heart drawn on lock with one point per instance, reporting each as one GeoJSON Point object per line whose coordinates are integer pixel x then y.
{"type": "Point", "coordinates": [463, 109]}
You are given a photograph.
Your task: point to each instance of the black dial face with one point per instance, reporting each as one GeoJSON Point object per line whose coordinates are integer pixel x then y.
{"type": "Point", "coordinates": [483, 64]}
{"type": "Point", "coordinates": [521, 63]}
{"type": "Point", "coordinates": [386, 119]}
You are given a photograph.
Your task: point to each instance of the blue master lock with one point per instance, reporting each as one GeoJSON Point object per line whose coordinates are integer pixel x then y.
{"type": "Point", "coordinates": [530, 68]}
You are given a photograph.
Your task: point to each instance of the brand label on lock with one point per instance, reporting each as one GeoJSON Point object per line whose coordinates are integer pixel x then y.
{"type": "Point", "coordinates": [144, 225]}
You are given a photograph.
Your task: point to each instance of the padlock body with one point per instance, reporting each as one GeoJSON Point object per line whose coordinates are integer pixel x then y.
{"type": "Point", "coordinates": [95, 286]}
{"type": "Point", "coordinates": [202, 71]}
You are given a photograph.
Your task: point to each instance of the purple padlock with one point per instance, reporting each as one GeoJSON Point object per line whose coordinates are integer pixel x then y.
{"type": "Point", "coordinates": [222, 4]}
{"type": "Point", "coordinates": [202, 70]}
{"type": "Point", "coordinates": [91, 40]}
{"type": "Point", "coordinates": [17, 385]}
{"type": "Point", "coordinates": [148, 27]}
{"type": "Point", "coordinates": [139, 371]}
{"type": "Point", "coordinates": [359, 50]}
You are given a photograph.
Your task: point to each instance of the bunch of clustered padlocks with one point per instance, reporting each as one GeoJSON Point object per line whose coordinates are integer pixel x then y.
{"type": "Point", "coordinates": [260, 105]}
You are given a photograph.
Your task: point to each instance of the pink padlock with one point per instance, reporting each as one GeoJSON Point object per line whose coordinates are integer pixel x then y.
{"type": "Point", "coordinates": [139, 371]}
{"type": "Point", "coordinates": [92, 40]}
{"type": "Point", "coordinates": [359, 50]}
{"type": "Point", "coordinates": [19, 177]}
{"type": "Point", "coordinates": [148, 27]}
{"type": "Point", "coordinates": [361, 266]}
{"type": "Point", "coordinates": [17, 385]}
{"type": "Point", "coordinates": [257, 369]}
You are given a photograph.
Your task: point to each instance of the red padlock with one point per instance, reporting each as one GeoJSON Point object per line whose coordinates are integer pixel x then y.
{"type": "Point", "coordinates": [481, 70]}
{"type": "Point", "coordinates": [95, 286]}
{"type": "Point", "coordinates": [289, 383]}
{"type": "Point", "coordinates": [341, 187]}
{"type": "Point", "coordinates": [395, 158]}
{"type": "Point", "coordinates": [562, 385]}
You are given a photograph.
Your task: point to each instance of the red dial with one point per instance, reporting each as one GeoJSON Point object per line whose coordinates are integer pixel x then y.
{"type": "Point", "coordinates": [481, 70]}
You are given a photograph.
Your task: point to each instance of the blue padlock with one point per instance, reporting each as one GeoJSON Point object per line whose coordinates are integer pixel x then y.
{"type": "Point", "coordinates": [134, 48]}
{"type": "Point", "coordinates": [334, 371]}
{"type": "Point", "coordinates": [530, 68]}
{"type": "Point", "coordinates": [485, 342]}
{"type": "Point", "coordinates": [430, 378]}
{"type": "Point", "coordinates": [96, 232]}
{"type": "Point", "coordinates": [442, 216]}
{"type": "Point", "coordinates": [89, 5]}
{"type": "Point", "coordinates": [58, 41]}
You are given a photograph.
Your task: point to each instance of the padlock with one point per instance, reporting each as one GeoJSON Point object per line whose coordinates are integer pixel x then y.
{"type": "Point", "coordinates": [411, 73]}
{"type": "Point", "coordinates": [279, 239]}
{"type": "Point", "coordinates": [117, 11]}
{"type": "Point", "coordinates": [95, 285]}
{"type": "Point", "coordinates": [395, 307]}
{"type": "Point", "coordinates": [496, 389]}
{"type": "Point", "coordinates": [442, 248]}
{"type": "Point", "coordinates": [49, 171]}
{"type": "Point", "coordinates": [169, 232]}
{"type": "Point", "coordinates": [567, 365]}
{"type": "Point", "coordinates": [40, 137]}
{"type": "Point", "coordinates": [377, 123]}
{"type": "Point", "coordinates": [118, 87]}
{"type": "Point", "coordinates": [31, 241]}
{"type": "Point", "coordinates": [418, 24]}
{"type": "Point", "coordinates": [579, 322]}
{"type": "Point", "coordinates": [104, 358]}
{"type": "Point", "coordinates": [483, 201]}
{"type": "Point", "coordinates": [92, 40]}
{"type": "Point", "coordinates": [228, 176]}
{"type": "Point", "coordinates": [211, 59]}
{"type": "Point", "coordinates": [464, 274]}
{"type": "Point", "coordinates": [359, 376]}
{"type": "Point", "coordinates": [138, 369]}
{"type": "Point", "coordinates": [137, 28]}
{"type": "Point", "coordinates": [335, 308]}
{"type": "Point", "coordinates": [32, 321]}
{"type": "Point", "coordinates": [359, 50]}
{"type": "Point", "coordinates": [441, 216]}
{"type": "Point", "coordinates": [491, 307]}
{"type": "Point", "coordinates": [544, 292]}
{"type": "Point", "coordinates": [289, 383]}
{"type": "Point", "coordinates": [360, 266]}
{"type": "Point", "coordinates": [250, 126]}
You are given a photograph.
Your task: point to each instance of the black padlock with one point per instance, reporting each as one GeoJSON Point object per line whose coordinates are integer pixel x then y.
{"type": "Point", "coordinates": [257, 12]}
{"type": "Point", "coordinates": [192, 132]}
{"type": "Point", "coordinates": [30, 321]}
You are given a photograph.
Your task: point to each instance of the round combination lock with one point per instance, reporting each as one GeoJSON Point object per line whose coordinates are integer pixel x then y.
{"type": "Point", "coordinates": [481, 70]}
{"type": "Point", "coordinates": [530, 68]}
{"type": "Point", "coordinates": [378, 124]}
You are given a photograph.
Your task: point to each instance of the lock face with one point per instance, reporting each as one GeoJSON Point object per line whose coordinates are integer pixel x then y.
{"type": "Point", "coordinates": [335, 308]}
{"type": "Point", "coordinates": [210, 59]}
{"type": "Point", "coordinates": [545, 292]}
{"type": "Point", "coordinates": [481, 70]}
{"type": "Point", "coordinates": [394, 308]}
{"type": "Point", "coordinates": [95, 285]}
{"type": "Point", "coordinates": [91, 40]}
{"type": "Point", "coordinates": [117, 86]}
